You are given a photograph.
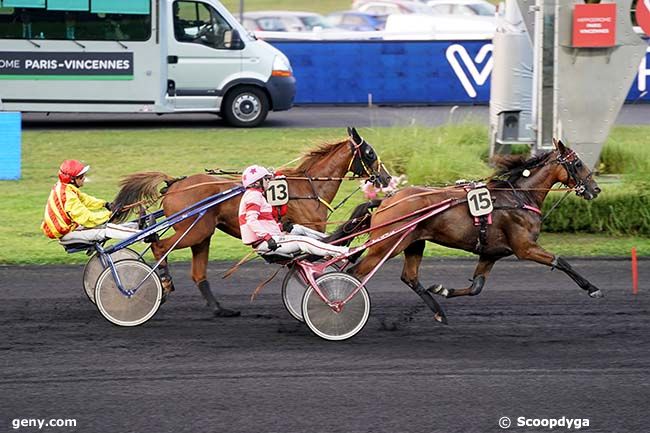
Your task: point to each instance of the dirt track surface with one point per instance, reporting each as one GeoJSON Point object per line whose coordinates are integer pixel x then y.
{"type": "Point", "coordinates": [531, 345]}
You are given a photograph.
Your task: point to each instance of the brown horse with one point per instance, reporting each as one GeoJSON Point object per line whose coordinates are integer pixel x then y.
{"type": "Point", "coordinates": [317, 178]}
{"type": "Point", "coordinates": [518, 192]}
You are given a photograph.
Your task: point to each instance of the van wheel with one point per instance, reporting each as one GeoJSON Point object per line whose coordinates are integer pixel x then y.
{"type": "Point", "coordinates": [245, 106]}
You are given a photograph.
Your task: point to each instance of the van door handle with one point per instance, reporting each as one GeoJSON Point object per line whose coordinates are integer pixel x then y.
{"type": "Point", "coordinates": [172, 59]}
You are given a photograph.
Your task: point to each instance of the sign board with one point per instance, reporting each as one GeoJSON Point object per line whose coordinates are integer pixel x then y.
{"type": "Point", "coordinates": [10, 144]}
{"type": "Point", "coordinates": [594, 25]}
{"type": "Point", "coordinates": [65, 65]}
{"type": "Point", "coordinates": [643, 15]}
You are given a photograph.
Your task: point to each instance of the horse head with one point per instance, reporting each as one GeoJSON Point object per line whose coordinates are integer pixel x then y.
{"type": "Point", "coordinates": [575, 174]}
{"type": "Point", "coordinates": [365, 161]}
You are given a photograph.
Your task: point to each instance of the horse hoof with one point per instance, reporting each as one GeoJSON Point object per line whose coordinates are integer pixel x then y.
{"type": "Point", "coordinates": [441, 318]}
{"type": "Point", "coordinates": [596, 294]}
{"type": "Point", "coordinates": [437, 289]}
{"type": "Point", "coordinates": [225, 312]}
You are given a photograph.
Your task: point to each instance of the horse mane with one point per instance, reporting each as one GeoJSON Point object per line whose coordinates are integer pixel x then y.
{"type": "Point", "coordinates": [513, 166]}
{"type": "Point", "coordinates": [311, 157]}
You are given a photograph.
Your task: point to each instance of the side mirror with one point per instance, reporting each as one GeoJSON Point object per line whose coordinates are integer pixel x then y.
{"type": "Point", "coordinates": [233, 40]}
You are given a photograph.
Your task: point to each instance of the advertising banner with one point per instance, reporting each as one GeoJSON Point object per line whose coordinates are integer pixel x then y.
{"type": "Point", "coordinates": [403, 72]}
{"type": "Point", "coordinates": [22, 65]}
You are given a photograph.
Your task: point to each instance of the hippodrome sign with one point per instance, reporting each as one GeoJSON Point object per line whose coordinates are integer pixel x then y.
{"type": "Point", "coordinates": [594, 25]}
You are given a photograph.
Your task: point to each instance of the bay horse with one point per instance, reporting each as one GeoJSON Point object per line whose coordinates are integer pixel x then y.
{"type": "Point", "coordinates": [518, 191]}
{"type": "Point", "coordinates": [314, 182]}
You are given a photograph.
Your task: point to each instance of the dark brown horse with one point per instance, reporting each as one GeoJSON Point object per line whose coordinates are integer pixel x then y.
{"type": "Point", "coordinates": [317, 178]}
{"type": "Point", "coordinates": [518, 192]}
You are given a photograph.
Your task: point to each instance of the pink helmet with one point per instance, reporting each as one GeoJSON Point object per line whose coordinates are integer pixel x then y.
{"type": "Point", "coordinates": [252, 174]}
{"type": "Point", "coordinates": [71, 168]}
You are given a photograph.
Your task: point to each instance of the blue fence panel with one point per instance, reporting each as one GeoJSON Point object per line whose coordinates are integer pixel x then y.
{"type": "Point", "coordinates": [340, 72]}
{"type": "Point", "coordinates": [403, 72]}
{"type": "Point", "coordinates": [10, 143]}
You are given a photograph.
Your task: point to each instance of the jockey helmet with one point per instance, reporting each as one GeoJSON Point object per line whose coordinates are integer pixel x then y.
{"type": "Point", "coordinates": [71, 168]}
{"type": "Point", "coordinates": [252, 174]}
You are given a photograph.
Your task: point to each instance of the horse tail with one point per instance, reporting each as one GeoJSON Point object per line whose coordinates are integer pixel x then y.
{"type": "Point", "coordinates": [138, 187]}
{"type": "Point", "coordinates": [359, 220]}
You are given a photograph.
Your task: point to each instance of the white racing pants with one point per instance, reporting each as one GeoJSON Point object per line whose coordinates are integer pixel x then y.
{"type": "Point", "coordinates": [302, 239]}
{"type": "Point", "coordinates": [99, 233]}
{"type": "Point", "coordinates": [291, 244]}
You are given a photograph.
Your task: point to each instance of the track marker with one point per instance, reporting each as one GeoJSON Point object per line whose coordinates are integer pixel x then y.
{"type": "Point", "coordinates": [635, 273]}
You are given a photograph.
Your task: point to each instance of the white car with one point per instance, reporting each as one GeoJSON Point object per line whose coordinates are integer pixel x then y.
{"type": "Point", "coordinates": [463, 7]}
{"type": "Point", "coordinates": [391, 7]}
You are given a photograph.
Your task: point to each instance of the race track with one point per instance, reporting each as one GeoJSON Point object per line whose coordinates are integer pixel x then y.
{"type": "Point", "coordinates": [531, 345]}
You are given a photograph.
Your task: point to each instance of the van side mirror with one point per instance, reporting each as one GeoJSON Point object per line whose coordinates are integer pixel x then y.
{"type": "Point", "coordinates": [233, 40]}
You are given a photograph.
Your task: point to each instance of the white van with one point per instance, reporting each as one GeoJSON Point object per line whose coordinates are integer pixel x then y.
{"type": "Point", "coordinates": [138, 56]}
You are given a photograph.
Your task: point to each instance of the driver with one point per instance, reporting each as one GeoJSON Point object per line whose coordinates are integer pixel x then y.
{"type": "Point", "coordinates": [261, 231]}
{"type": "Point", "coordinates": [72, 216]}
{"type": "Point", "coordinates": [180, 25]}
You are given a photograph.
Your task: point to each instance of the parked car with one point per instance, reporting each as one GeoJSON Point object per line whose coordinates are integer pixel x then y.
{"type": "Point", "coordinates": [463, 7]}
{"type": "Point", "coordinates": [285, 21]}
{"type": "Point", "coordinates": [356, 21]}
{"type": "Point", "coordinates": [425, 26]}
{"type": "Point", "coordinates": [391, 7]}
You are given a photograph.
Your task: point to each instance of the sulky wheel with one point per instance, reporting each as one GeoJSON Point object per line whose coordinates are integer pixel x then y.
{"type": "Point", "coordinates": [293, 290]}
{"type": "Point", "coordinates": [94, 268]}
{"type": "Point", "coordinates": [327, 323]}
{"type": "Point", "coordinates": [121, 309]}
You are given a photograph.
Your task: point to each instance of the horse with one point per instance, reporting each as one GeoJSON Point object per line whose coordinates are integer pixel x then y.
{"type": "Point", "coordinates": [313, 184]}
{"type": "Point", "coordinates": [518, 190]}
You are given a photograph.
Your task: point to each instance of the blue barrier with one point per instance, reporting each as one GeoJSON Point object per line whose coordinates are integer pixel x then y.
{"type": "Point", "coordinates": [10, 145]}
{"type": "Point", "coordinates": [402, 72]}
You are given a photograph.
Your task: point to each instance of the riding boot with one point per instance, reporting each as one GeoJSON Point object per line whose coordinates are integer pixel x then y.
{"type": "Point", "coordinates": [219, 311]}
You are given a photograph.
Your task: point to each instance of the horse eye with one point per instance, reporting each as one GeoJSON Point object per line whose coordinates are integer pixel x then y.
{"type": "Point", "coordinates": [579, 164]}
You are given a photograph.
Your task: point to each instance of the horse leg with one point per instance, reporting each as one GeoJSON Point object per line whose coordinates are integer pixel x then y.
{"type": "Point", "coordinates": [158, 249]}
{"type": "Point", "coordinates": [412, 259]}
{"type": "Point", "coordinates": [200, 254]}
{"type": "Point", "coordinates": [481, 273]}
{"type": "Point", "coordinates": [532, 251]}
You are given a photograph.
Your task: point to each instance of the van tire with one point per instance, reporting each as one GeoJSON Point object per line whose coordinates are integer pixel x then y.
{"type": "Point", "coordinates": [245, 106]}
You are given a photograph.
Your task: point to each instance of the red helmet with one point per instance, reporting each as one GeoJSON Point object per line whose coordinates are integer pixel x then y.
{"type": "Point", "coordinates": [71, 168]}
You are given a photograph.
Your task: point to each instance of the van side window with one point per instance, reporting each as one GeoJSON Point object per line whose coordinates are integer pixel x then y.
{"type": "Point", "coordinates": [32, 23]}
{"type": "Point", "coordinates": [199, 23]}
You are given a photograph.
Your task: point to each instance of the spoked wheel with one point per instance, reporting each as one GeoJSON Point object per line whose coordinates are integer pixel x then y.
{"type": "Point", "coordinates": [121, 309]}
{"type": "Point", "coordinates": [327, 323]}
{"type": "Point", "coordinates": [94, 268]}
{"type": "Point", "coordinates": [293, 290]}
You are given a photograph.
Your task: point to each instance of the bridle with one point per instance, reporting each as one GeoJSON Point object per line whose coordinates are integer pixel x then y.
{"type": "Point", "coordinates": [570, 163]}
{"type": "Point", "coordinates": [361, 164]}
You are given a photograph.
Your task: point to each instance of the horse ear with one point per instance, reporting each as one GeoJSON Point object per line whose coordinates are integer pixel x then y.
{"type": "Point", "coordinates": [559, 145]}
{"type": "Point", "coordinates": [352, 131]}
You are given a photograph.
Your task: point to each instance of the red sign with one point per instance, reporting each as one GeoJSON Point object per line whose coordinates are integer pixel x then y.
{"type": "Point", "coordinates": [594, 25]}
{"type": "Point", "coordinates": [643, 15]}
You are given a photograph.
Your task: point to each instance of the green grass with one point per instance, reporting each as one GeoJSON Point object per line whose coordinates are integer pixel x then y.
{"type": "Point", "coordinates": [428, 155]}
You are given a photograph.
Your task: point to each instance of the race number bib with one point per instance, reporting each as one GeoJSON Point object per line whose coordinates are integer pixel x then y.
{"type": "Point", "coordinates": [277, 193]}
{"type": "Point", "coordinates": [480, 202]}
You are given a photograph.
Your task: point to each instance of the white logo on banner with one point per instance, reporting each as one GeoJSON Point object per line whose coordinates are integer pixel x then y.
{"type": "Point", "coordinates": [644, 73]}
{"type": "Point", "coordinates": [456, 51]}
